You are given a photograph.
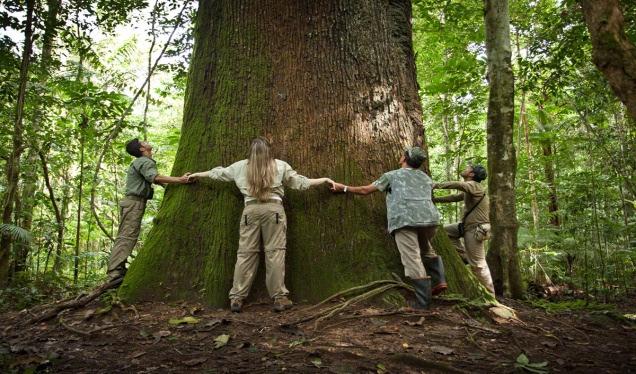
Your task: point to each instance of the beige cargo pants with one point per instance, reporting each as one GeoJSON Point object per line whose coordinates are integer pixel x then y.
{"type": "Point", "coordinates": [472, 250]}
{"type": "Point", "coordinates": [131, 212]}
{"type": "Point", "coordinates": [266, 224]}
{"type": "Point", "coordinates": [413, 243]}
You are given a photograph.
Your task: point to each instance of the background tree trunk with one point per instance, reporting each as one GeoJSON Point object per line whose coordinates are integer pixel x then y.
{"type": "Point", "coordinates": [333, 84]}
{"type": "Point", "coordinates": [13, 163]}
{"type": "Point", "coordinates": [613, 53]}
{"type": "Point", "coordinates": [548, 167]}
{"type": "Point", "coordinates": [30, 174]}
{"type": "Point", "coordinates": [502, 255]}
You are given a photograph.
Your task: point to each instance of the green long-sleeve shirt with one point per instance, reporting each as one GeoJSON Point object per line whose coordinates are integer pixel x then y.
{"type": "Point", "coordinates": [472, 193]}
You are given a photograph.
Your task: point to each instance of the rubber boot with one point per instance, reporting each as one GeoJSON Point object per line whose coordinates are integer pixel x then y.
{"type": "Point", "coordinates": [435, 268]}
{"type": "Point", "coordinates": [422, 293]}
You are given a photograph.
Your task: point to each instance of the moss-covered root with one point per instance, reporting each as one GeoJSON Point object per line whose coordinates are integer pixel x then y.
{"type": "Point", "coordinates": [459, 277]}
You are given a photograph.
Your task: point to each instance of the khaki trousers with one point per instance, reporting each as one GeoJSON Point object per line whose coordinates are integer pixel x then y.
{"type": "Point", "coordinates": [131, 212]}
{"type": "Point", "coordinates": [413, 243]}
{"type": "Point", "coordinates": [261, 224]}
{"type": "Point", "coordinates": [472, 250]}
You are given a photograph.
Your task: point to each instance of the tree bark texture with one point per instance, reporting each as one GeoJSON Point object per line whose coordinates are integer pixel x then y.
{"type": "Point", "coordinates": [13, 163]}
{"type": "Point", "coordinates": [332, 83]}
{"type": "Point", "coordinates": [502, 255]}
{"type": "Point", "coordinates": [612, 51]}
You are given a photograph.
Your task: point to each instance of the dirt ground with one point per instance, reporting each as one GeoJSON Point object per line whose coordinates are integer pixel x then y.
{"type": "Point", "coordinates": [449, 338]}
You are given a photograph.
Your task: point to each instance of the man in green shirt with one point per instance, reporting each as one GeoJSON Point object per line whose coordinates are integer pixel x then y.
{"type": "Point", "coordinates": [475, 221]}
{"type": "Point", "coordinates": [412, 220]}
{"type": "Point", "coordinates": [141, 174]}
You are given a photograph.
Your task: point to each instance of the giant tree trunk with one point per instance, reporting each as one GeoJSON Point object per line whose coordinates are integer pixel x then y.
{"type": "Point", "coordinates": [613, 53]}
{"type": "Point", "coordinates": [502, 163]}
{"type": "Point", "coordinates": [333, 84]}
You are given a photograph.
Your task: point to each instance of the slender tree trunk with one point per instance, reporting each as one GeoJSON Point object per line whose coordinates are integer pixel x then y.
{"type": "Point", "coordinates": [524, 126]}
{"type": "Point", "coordinates": [30, 178]}
{"type": "Point", "coordinates": [333, 84]}
{"type": "Point", "coordinates": [613, 53]}
{"type": "Point", "coordinates": [502, 256]}
{"type": "Point", "coordinates": [548, 169]}
{"type": "Point", "coordinates": [78, 226]}
{"type": "Point", "coordinates": [13, 163]}
{"type": "Point", "coordinates": [59, 216]}
{"type": "Point", "coordinates": [153, 40]}
{"type": "Point", "coordinates": [534, 205]}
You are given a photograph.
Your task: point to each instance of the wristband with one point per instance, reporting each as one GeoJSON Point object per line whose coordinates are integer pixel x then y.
{"type": "Point", "coordinates": [345, 189]}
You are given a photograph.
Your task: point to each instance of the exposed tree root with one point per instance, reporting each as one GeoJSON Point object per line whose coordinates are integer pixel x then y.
{"type": "Point", "coordinates": [373, 289]}
{"type": "Point", "coordinates": [52, 311]}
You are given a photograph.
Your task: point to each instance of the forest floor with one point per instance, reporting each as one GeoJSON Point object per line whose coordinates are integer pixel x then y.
{"type": "Point", "coordinates": [451, 337]}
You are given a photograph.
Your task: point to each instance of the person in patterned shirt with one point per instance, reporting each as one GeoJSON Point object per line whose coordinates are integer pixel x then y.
{"type": "Point", "coordinates": [412, 220]}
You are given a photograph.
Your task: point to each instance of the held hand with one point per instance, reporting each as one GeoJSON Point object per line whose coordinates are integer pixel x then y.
{"type": "Point", "coordinates": [331, 182]}
{"type": "Point", "coordinates": [191, 178]}
{"type": "Point", "coordinates": [337, 187]}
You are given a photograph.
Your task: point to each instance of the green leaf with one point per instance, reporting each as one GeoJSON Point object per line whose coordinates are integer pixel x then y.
{"type": "Point", "coordinates": [178, 321]}
{"type": "Point", "coordinates": [297, 342]}
{"type": "Point", "coordinates": [221, 341]}
{"type": "Point", "coordinates": [317, 362]}
{"type": "Point", "coordinates": [523, 359]}
{"type": "Point", "coordinates": [16, 233]}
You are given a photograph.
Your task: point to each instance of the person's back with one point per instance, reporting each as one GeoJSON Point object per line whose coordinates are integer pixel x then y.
{"type": "Point", "coordinates": [409, 199]}
{"type": "Point", "coordinates": [261, 179]}
{"type": "Point", "coordinates": [412, 220]}
{"type": "Point", "coordinates": [285, 176]}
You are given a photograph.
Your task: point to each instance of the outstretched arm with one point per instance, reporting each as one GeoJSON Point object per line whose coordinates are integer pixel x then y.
{"type": "Point", "coordinates": [318, 181]}
{"type": "Point", "coordinates": [194, 176]}
{"type": "Point", "coordinates": [162, 179]}
{"type": "Point", "coordinates": [358, 190]}
{"type": "Point", "coordinates": [219, 173]}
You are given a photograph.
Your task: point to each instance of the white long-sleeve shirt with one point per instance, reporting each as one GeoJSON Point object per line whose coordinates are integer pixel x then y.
{"type": "Point", "coordinates": [237, 173]}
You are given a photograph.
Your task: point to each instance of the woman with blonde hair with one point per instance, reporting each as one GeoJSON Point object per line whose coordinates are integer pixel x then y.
{"type": "Point", "coordinates": [261, 179]}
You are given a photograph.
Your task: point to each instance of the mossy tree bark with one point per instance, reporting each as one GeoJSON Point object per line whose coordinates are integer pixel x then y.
{"type": "Point", "coordinates": [333, 85]}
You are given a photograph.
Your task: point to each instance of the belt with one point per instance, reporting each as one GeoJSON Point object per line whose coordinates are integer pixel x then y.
{"type": "Point", "coordinates": [137, 198]}
{"type": "Point", "coordinates": [251, 202]}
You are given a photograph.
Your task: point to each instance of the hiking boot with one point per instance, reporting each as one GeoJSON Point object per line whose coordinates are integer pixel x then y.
{"type": "Point", "coordinates": [422, 293]}
{"type": "Point", "coordinates": [435, 268]}
{"type": "Point", "coordinates": [282, 303]}
{"type": "Point", "coordinates": [236, 305]}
